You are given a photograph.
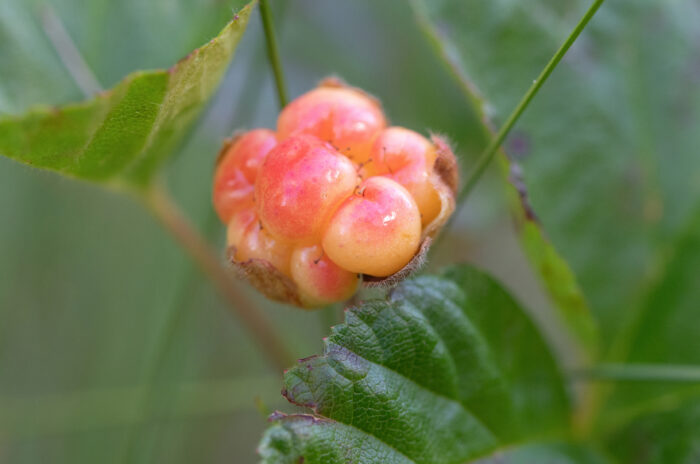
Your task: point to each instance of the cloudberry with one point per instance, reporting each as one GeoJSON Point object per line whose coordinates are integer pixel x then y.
{"type": "Point", "coordinates": [332, 197]}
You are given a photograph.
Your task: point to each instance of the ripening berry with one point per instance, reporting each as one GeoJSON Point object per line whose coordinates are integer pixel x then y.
{"type": "Point", "coordinates": [408, 158]}
{"type": "Point", "coordinates": [376, 231]}
{"type": "Point", "coordinates": [256, 243]}
{"type": "Point", "coordinates": [300, 184]}
{"type": "Point", "coordinates": [320, 280]}
{"type": "Point", "coordinates": [345, 117]}
{"type": "Point", "coordinates": [234, 179]}
{"type": "Point", "coordinates": [332, 199]}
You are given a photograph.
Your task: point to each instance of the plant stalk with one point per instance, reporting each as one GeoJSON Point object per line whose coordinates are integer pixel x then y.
{"type": "Point", "coordinates": [491, 150]}
{"type": "Point", "coordinates": [641, 373]}
{"type": "Point", "coordinates": [272, 51]}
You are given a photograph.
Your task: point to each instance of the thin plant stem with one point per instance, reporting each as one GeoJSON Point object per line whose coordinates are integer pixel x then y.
{"type": "Point", "coordinates": [146, 407]}
{"type": "Point", "coordinates": [168, 213]}
{"type": "Point", "coordinates": [600, 378]}
{"type": "Point", "coordinates": [272, 52]}
{"type": "Point", "coordinates": [640, 373]}
{"type": "Point", "coordinates": [68, 52]}
{"type": "Point", "coordinates": [162, 206]}
{"type": "Point", "coordinates": [491, 150]}
{"type": "Point", "coordinates": [590, 398]}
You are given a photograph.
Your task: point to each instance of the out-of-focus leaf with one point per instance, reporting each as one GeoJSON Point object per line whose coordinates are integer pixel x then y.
{"type": "Point", "coordinates": [446, 370]}
{"type": "Point", "coordinates": [549, 453]}
{"type": "Point", "coordinates": [608, 147]}
{"type": "Point", "coordinates": [671, 434]}
{"type": "Point", "coordinates": [113, 39]}
{"type": "Point", "coordinates": [609, 156]}
{"type": "Point", "coordinates": [666, 327]}
{"type": "Point", "coordinates": [661, 418]}
{"type": "Point", "coordinates": [124, 135]}
{"type": "Point", "coordinates": [554, 271]}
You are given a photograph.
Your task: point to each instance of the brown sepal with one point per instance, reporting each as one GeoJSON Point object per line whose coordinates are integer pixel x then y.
{"type": "Point", "coordinates": [413, 265]}
{"type": "Point", "coordinates": [445, 180]}
{"type": "Point", "coordinates": [446, 166]}
{"type": "Point", "coordinates": [266, 278]}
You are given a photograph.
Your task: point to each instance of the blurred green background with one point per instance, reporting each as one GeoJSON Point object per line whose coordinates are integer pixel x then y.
{"type": "Point", "coordinates": [91, 286]}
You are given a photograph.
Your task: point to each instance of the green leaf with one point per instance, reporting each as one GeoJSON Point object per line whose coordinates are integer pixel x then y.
{"type": "Point", "coordinates": [555, 273]}
{"type": "Point", "coordinates": [113, 39]}
{"type": "Point", "coordinates": [609, 154]}
{"type": "Point", "coordinates": [609, 146]}
{"type": "Point", "coordinates": [125, 134]}
{"type": "Point", "coordinates": [446, 370]}
{"type": "Point", "coordinates": [322, 441]}
{"type": "Point", "coordinates": [609, 157]}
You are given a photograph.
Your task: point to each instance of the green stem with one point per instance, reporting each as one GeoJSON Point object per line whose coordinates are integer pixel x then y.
{"type": "Point", "coordinates": [599, 379]}
{"type": "Point", "coordinates": [492, 148]}
{"type": "Point", "coordinates": [68, 52]}
{"type": "Point", "coordinates": [272, 52]}
{"type": "Point", "coordinates": [641, 373]}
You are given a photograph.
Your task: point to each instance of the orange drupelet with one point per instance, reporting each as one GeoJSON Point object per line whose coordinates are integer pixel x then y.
{"type": "Point", "coordinates": [234, 179]}
{"type": "Point", "coordinates": [299, 186]}
{"type": "Point", "coordinates": [256, 243]}
{"type": "Point", "coordinates": [345, 117]}
{"type": "Point", "coordinates": [238, 224]}
{"type": "Point", "coordinates": [320, 280]}
{"type": "Point", "coordinates": [376, 231]}
{"type": "Point", "coordinates": [408, 158]}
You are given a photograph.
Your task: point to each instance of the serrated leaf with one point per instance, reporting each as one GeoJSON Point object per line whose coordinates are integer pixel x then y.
{"type": "Point", "coordinates": [446, 370]}
{"type": "Point", "coordinates": [124, 134]}
{"type": "Point", "coordinates": [320, 441]}
{"type": "Point", "coordinates": [553, 270]}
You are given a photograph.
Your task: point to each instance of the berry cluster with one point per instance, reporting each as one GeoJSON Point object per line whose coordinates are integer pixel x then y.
{"type": "Point", "coordinates": [332, 196]}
